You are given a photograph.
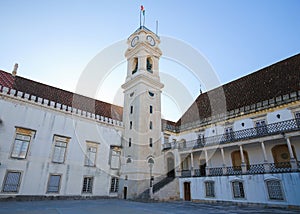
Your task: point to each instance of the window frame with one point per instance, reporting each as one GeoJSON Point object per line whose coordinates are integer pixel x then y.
{"type": "Point", "coordinates": [59, 184]}
{"type": "Point", "coordinates": [242, 194]}
{"type": "Point", "coordinates": [151, 109]}
{"type": "Point", "coordinates": [213, 195]}
{"type": "Point", "coordinates": [280, 186]}
{"type": "Point", "coordinates": [85, 189]}
{"type": "Point", "coordinates": [17, 185]}
{"type": "Point", "coordinates": [90, 145]}
{"type": "Point", "coordinates": [114, 185]}
{"type": "Point", "coordinates": [60, 139]}
{"type": "Point", "coordinates": [24, 132]}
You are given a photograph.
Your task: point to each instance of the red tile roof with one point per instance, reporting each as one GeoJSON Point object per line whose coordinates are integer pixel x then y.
{"type": "Point", "coordinates": [61, 96]}
{"type": "Point", "coordinates": [275, 80]}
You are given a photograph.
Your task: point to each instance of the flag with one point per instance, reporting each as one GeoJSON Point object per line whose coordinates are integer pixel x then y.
{"type": "Point", "coordinates": [143, 9]}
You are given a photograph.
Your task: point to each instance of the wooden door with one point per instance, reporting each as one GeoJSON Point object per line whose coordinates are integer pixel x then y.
{"type": "Point", "coordinates": [187, 191]}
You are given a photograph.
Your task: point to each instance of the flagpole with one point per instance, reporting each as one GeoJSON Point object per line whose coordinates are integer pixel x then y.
{"type": "Point", "coordinates": [144, 17]}
{"type": "Point", "coordinates": [140, 18]}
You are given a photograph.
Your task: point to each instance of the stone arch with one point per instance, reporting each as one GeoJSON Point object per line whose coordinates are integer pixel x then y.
{"type": "Point", "coordinates": [281, 155]}
{"type": "Point", "coordinates": [237, 159]}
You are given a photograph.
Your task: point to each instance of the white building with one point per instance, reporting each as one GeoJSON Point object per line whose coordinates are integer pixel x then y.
{"type": "Point", "coordinates": [58, 144]}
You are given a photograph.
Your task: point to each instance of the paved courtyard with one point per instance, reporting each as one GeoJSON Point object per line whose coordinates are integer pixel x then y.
{"type": "Point", "coordinates": [122, 206]}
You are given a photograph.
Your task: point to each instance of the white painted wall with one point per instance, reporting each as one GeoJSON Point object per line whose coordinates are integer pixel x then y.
{"type": "Point", "coordinates": [49, 122]}
{"type": "Point", "coordinates": [254, 187]}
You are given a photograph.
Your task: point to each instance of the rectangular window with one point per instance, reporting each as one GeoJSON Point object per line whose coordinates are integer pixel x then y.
{"type": "Point", "coordinates": [115, 152]}
{"type": "Point", "coordinates": [151, 109]}
{"type": "Point", "coordinates": [60, 148]}
{"type": "Point", "coordinates": [21, 143]}
{"type": "Point", "coordinates": [130, 125]}
{"type": "Point", "coordinates": [131, 109]}
{"type": "Point", "coordinates": [297, 117]}
{"type": "Point", "coordinates": [53, 184]}
{"type": "Point", "coordinates": [91, 154]}
{"type": "Point", "coordinates": [11, 181]}
{"type": "Point", "coordinates": [228, 134]}
{"type": "Point", "coordinates": [274, 190]}
{"type": "Point", "coordinates": [238, 189]}
{"type": "Point", "coordinates": [87, 185]}
{"type": "Point", "coordinates": [114, 186]}
{"type": "Point", "coordinates": [150, 142]}
{"type": "Point", "coordinates": [129, 142]}
{"type": "Point", "coordinates": [150, 125]}
{"type": "Point", "coordinates": [210, 189]}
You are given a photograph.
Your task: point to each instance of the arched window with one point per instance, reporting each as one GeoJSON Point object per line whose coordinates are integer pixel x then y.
{"type": "Point", "coordinates": [281, 155]}
{"type": "Point", "coordinates": [237, 160]}
{"type": "Point", "coordinates": [149, 65]}
{"type": "Point", "coordinates": [135, 65]}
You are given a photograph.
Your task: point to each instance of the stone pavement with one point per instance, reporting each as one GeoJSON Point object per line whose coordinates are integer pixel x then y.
{"type": "Point", "coordinates": [122, 206]}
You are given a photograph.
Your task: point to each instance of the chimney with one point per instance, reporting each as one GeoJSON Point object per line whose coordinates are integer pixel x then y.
{"type": "Point", "coordinates": [14, 72]}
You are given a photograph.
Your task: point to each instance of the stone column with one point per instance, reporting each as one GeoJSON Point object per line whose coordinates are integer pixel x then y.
{"type": "Point", "coordinates": [223, 159]}
{"type": "Point", "coordinates": [292, 157]}
{"type": "Point", "coordinates": [243, 164]}
{"type": "Point", "coordinates": [192, 164]}
{"type": "Point", "coordinates": [206, 160]}
{"type": "Point", "coordinates": [178, 164]}
{"type": "Point", "coordinates": [266, 162]}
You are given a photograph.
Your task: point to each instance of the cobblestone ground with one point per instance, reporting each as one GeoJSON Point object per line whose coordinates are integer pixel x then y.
{"type": "Point", "coordinates": [122, 206]}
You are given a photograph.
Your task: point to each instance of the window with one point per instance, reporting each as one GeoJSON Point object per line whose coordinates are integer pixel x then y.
{"type": "Point", "coordinates": [21, 143]}
{"type": "Point", "coordinates": [53, 184]}
{"type": "Point", "coordinates": [151, 109]}
{"type": "Point", "coordinates": [238, 189]}
{"type": "Point", "coordinates": [149, 65]}
{"type": "Point", "coordinates": [151, 94]}
{"type": "Point", "coordinates": [228, 134]}
{"type": "Point", "coordinates": [150, 142]}
{"type": "Point", "coordinates": [261, 127]}
{"type": "Point", "coordinates": [135, 66]}
{"type": "Point", "coordinates": [274, 190]}
{"type": "Point", "coordinates": [11, 181]}
{"type": "Point", "coordinates": [114, 185]}
{"type": "Point", "coordinates": [130, 125]}
{"type": "Point", "coordinates": [60, 147]}
{"type": "Point", "coordinates": [129, 142]}
{"type": "Point", "coordinates": [297, 117]}
{"type": "Point", "coordinates": [91, 153]}
{"type": "Point", "coordinates": [209, 189]}
{"type": "Point", "coordinates": [115, 153]}
{"type": "Point", "coordinates": [87, 186]}
{"type": "Point", "coordinates": [131, 109]}
{"type": "Point", "coordinates": [150, 125]}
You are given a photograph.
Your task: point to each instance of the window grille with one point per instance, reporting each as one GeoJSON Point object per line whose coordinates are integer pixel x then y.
{"type": "Point", "coordinates": [210, 189]}
{"type": "Point", "coordinates": [12, 182]}
{"type": "Point", "coordinates": [274, 190]}
{"type": "Point", "coordinates": [238, 189]}
{"type": "Point", "coordinates": [87, 185]}
{"type": "Point", "coordinates": [114, 186]}
{"type": "Point", "coordinates": [53, 184]}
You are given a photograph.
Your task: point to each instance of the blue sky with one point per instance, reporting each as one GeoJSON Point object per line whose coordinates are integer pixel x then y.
{"type": "Point", "coordinates": [54, 40]}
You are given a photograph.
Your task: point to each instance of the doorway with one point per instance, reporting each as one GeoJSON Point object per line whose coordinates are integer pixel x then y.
{"type": "Point", "coordinates": [171, 170]}
{"type": "Point", "coordinates": [187, 191]}
{"type": "Point", "coordinates": [125, 192]}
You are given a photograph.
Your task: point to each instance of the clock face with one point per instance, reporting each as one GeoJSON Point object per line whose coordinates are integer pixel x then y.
{"type": "Point", "coordinates": [134, 41]}
{"type": "Point", "coordinates": [151, 40]}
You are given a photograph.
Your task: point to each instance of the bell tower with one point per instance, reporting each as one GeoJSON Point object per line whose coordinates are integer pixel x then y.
{"type": "Point", "coordinates": [142, 160]}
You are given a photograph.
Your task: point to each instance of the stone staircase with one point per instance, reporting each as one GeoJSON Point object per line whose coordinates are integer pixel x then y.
{"type": "Point", "coordinates": [156, 187]}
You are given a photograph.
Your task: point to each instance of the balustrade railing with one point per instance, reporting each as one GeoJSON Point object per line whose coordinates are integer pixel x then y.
{"type": "Point", "coordinates": [282, 167]}
{"type": "Point", "coordinates": [271, 129]}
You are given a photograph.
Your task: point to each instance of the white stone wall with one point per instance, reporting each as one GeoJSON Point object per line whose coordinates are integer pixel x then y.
{"type": "Point", "coordinates": [47, 122]}
{"type": "Point", "coordinates": [254, 187]}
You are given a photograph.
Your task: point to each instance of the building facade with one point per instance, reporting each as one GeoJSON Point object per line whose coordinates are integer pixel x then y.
{"type": "Point", "coordinates": [237, 143]}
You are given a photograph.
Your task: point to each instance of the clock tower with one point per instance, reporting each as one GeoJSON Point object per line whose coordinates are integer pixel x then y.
{"type": "Point", "coordinates": [142, 161]}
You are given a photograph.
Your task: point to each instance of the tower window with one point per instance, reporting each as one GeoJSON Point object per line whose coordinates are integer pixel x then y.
{"type": "Point", "coordinates": [129, 142]}
{"type": "Point", "coordinates": [151, 109]}
{"type": "Point", "coordinates": [150, 142]}
{"type": "Point", "coordinates": [149, 65]}
{"type": "Point", "coordinates": [131, 109]}
{"type": "Point", "coordinates": [135, 65]}
{"type": "Point", "coordinates": [130, 125]}
{"type": "Point", "coordinates": [150, 125]}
